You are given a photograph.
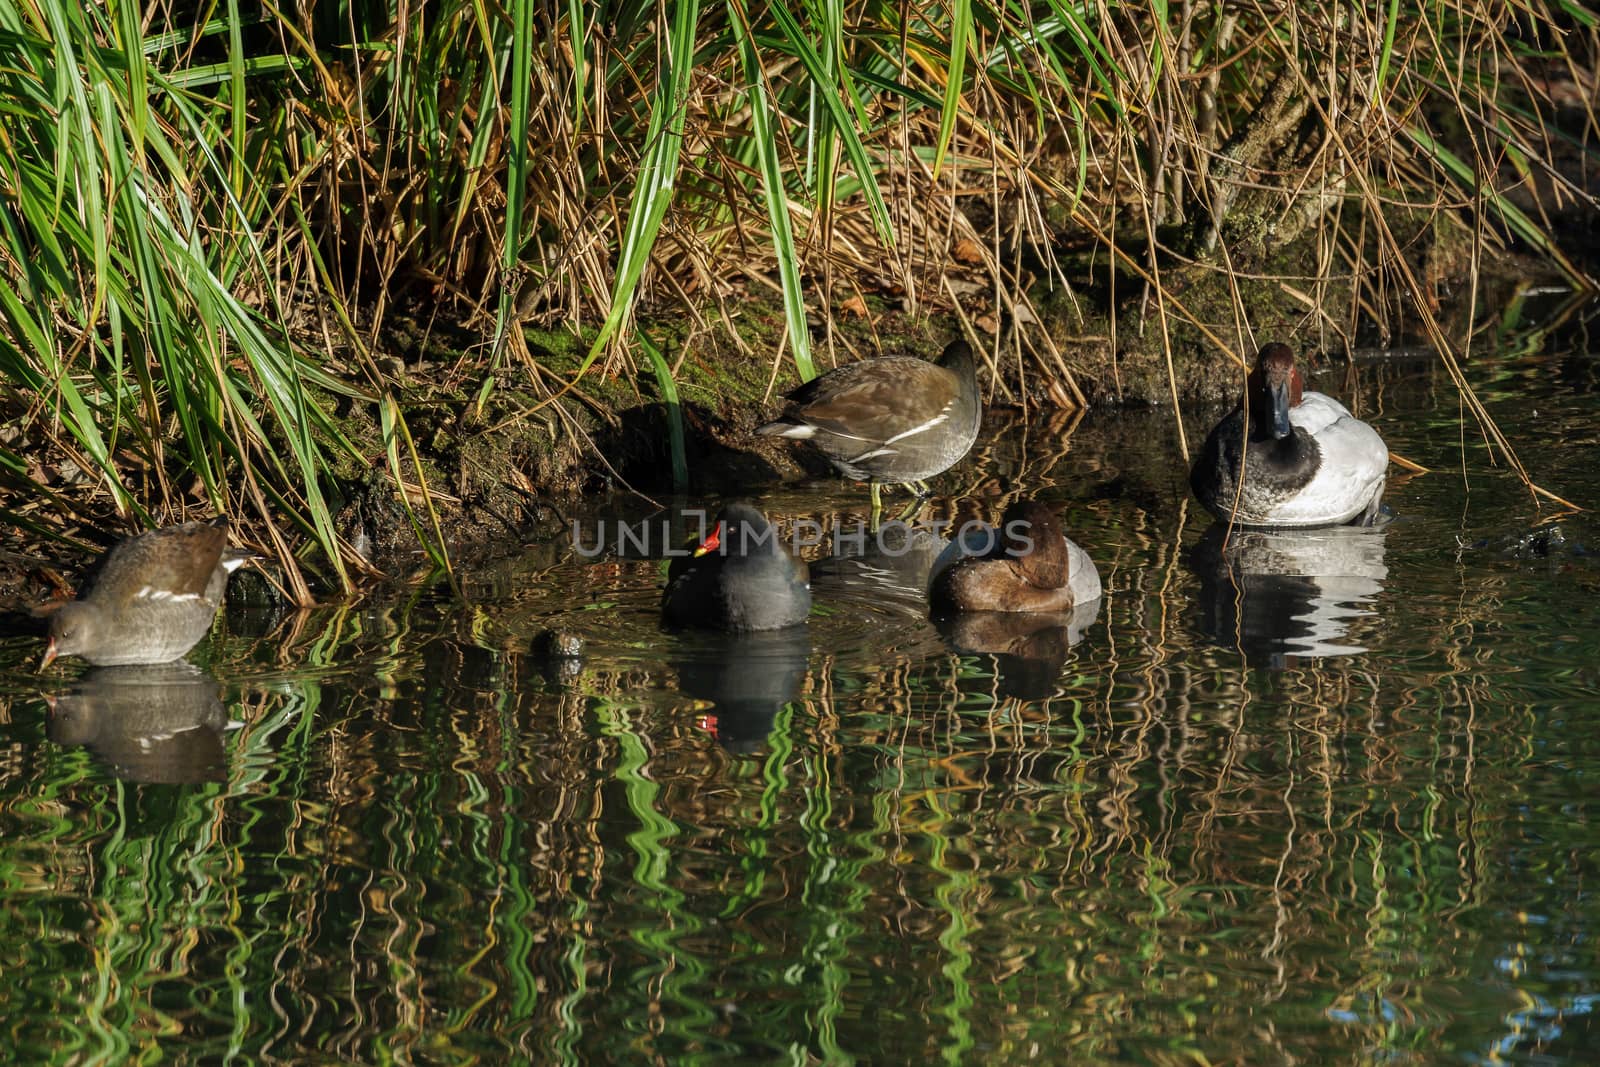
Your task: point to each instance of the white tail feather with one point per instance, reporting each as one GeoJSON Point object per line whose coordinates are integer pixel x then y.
{"type": "Point", "coordinates": [797, 431]}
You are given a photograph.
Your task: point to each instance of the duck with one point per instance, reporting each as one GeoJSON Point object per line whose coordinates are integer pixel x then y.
{"type": "Point", "coordinates": [740, 578]}
{"type": "Point", "coordinates": [153, 597]}
{"type": "Point", "coordinates": [1307, 460]}
{"type": "Point", "coordinates": [891, 420]}
{"type": "Point", "coordinates": [1028, 564]}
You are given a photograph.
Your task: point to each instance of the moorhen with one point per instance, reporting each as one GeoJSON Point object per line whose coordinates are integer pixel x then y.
{"type": "Point", "coordinates": [893, 419]}
{"type": "Point", "coordinates": [1307, 461]}
{"type": "Point", "coordinates": [740, 578]}
{"type": "Point", "coordinates": [153, 598]}
{"type": "Point", "coordinates": [1029, 565]}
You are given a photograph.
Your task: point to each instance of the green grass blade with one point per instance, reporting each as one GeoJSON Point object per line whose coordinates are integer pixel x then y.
{"type": "Point", "coordinates": [658, 173]}
{"type": "Point", "coordinates": [1514, 217]}
{"type": "Point", "coordinates": [669, 398]}
{"type": "Point", "coordinates": [516, 183]}
{"type": "Point", "coordinates": [960, 32]}
{"type": "Point", "coordinates": [765, 137]}
{"type": "Point", "coordinates": [817, 70]}
{"type": "Point", "coordinates": [395, 431]}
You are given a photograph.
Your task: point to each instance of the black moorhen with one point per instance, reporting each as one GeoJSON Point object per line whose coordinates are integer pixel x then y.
{"type": "Point", "coordinates": [1030, 565]}
{"type": "Point", "coordinates": [894, 419]}
{"type": "Point", "coordinates": [153, 597]}
{"type": "Point", "coordinates": [740, 578]}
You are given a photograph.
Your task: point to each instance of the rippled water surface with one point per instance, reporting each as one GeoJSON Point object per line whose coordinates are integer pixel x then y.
{"type": "Point", "coordinates": [1324, 801]}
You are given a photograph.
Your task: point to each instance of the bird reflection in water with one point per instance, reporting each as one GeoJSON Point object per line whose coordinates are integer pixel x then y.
{"type": "Point", "coordinates": [1280, 594]}
{"type": "Point", "coordinates": [1029, 649]}
{"type": "Point", "coordinates": [747, 678]}
{"type": "Point", "coordinates": [889, 567]}
{"type": "Point", "coordinates": [157, 723]}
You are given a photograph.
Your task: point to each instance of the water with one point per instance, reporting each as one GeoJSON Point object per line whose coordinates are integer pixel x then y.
{"type": "Point", "coordinates": [1342, 816]}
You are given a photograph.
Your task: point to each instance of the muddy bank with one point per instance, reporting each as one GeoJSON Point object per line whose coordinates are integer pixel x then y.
{"type": "Point", "coordinates": [504, 467]}
{"type": "Point", "coordinates": [509, 471]}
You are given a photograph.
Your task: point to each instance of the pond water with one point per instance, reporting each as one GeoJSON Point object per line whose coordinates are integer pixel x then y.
{"type": "Point", "coordinates": [1310, 802]}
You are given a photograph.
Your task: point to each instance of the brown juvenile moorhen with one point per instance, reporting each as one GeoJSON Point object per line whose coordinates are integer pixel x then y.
{"type": "Point", "coordinates": [1029, 566]}
{"type": "Point", "coordinates": [153, 598]}
{"type": "Point", "coordinates": [894, 419]}
{"type": "Point", "coordinates": [740, 578]}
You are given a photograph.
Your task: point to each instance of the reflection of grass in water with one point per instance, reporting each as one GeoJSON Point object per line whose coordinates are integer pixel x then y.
{"type": "Point", "coordinates": [665, 926]}
{"type": "Point", "coordinates": [1122, 829]}
{"type": "Point", "coordinates": [956, 896]}
{"type": "Point", "coordinates": [158, 875]}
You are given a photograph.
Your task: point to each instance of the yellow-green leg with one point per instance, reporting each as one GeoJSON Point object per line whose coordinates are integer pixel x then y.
{"type": "Point", "coordinates": [877, 506]}
{"type": "Point", "coordinates": [911, 508]}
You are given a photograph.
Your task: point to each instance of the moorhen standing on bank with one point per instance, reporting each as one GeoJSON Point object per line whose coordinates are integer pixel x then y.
{"type": "Point", "coordinates": [740, 578]}
{"type": "Point", "coordinates": [1307, 461]}
{"type": "Point", "coordinates": [153, 598]}
{"type": "Point", "coordinates": [1030, 565]}
{"type": "Point", "coordinates": [890, 420]}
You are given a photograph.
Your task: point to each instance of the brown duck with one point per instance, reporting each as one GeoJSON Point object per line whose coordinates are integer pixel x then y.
{"type": "Point", "coordinates": [1028, 565]}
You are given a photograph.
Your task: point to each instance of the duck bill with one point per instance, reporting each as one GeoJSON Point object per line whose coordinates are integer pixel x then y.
{"type": "Point", "coordinates": [49, 654]}
{"type": "Point", "coordinates": [1281, 426]}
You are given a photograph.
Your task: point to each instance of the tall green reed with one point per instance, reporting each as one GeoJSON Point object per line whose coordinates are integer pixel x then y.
{"type": "Point", "coordinates": [172, 192]}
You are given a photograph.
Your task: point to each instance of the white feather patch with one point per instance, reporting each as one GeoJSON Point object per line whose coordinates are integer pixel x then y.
{"type": "Point", "coordinates": [799, 433]}
{"type": "Point", "coordinates": [930, 424]}
{"type": "Point", "coordinates": [152, 593]}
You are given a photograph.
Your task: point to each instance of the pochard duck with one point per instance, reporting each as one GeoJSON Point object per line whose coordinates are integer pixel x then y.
{"type": "Point", "coordinates": [890, 420]}
{"type": "Point", "coordinates": [1307, 461]}
{"type": "Point", "coordinates": [739, 579]}
{"type": "Point", "coordinates": [1028, 564]}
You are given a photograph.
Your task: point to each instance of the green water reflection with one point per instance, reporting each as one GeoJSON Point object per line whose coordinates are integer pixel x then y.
{"type": "Point", "coordinates": [1168, 836]}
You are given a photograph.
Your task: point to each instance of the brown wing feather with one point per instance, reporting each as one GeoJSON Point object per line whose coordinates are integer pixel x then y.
{"type": "Point", "coordinates": [176, 559]}
{"type": "Point", "coordinates": [886, 405]}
